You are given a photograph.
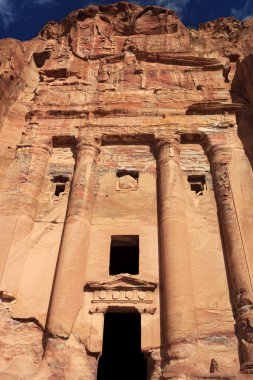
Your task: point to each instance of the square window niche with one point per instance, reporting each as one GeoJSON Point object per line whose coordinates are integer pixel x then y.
{"type": "Point", "coordinates": [60, 184]}
{"type": "Point", "coordinates": [124, 254]}
{"type": "Point", "coordinates": [127, 180]}
{"type": "Point", "coordinates": [197, 183]}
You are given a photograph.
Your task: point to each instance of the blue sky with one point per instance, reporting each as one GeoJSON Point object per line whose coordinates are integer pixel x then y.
{"type": "Point", "coordinates": [23, 19]}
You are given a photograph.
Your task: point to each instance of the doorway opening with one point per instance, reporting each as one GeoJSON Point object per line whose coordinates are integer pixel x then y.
{"type": "Point", "coordinates": [121, 356]}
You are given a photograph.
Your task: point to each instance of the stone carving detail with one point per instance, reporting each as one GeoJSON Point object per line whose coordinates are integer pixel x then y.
{"type": "Point", "coordinates": [167, 148]}
{"type": "Point", "coordinates": [244, 333]}
{"type": "Point", "coordinates": [220, 157]}
{"type": "Point", "coordinates": [123, 290]}
{"type": "Point", "coordinates": [88, 143]}
{"type": "Point", "coordinates": [123, 296]}
{"type": "Point", "coordinates": [244, 330]}
{"type": "Point", "coordinates": [170, 141]}
{"type": "Point", "coordinates": [241, 298]}
{"type": "Point", "coordinates": [223, 182]}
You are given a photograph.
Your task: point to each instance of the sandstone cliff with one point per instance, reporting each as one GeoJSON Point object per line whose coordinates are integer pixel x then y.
{"type": "Point", "coordinates": [131, 75]}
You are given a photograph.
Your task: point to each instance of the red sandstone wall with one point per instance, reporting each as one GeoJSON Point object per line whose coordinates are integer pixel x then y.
{"type": "Point", "coordinates": [131, 74]}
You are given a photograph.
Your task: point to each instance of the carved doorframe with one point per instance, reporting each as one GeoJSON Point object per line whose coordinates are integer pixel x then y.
{"type": "Point", "coordinates": [121, 294]}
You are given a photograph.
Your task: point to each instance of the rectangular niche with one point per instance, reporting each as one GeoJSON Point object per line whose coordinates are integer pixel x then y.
{"type": "Point", "coordinates": [197, 183]}
{"type": "Point", "coordinates": [127, 180]}
{"type": "Point", "coordinates": [124, 254]}
{"type": "Point", "coordinates": [60, 184]}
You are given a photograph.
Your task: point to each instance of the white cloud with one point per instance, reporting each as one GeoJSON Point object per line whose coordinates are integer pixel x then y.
{"type": "Point", "coordinates": [43, 2]}
{"type": "Point", "coordinates": [6, 13]}
{"type": "Point", "coordinates": [176, 5]}
{"type": "Point", "coordinates": [244, 12]}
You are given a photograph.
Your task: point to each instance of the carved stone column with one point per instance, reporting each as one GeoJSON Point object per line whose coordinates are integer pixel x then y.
{"type": "Point", "coordinates": [70, 271]}
{"type": "Point", "coordinates": [179, 320]}
{"type": "Point", "coordinates": [19, 206]}
{"type": "Point", "coordinates": [221, 156]}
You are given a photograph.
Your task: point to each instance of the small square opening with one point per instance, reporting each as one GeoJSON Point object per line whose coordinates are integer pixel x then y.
{"type": "Point", "coordinates": [60, 184]}
{"type": "Point", "coordinates": [124, 254]}
{"type": "Point", "coordinates": [59, 188]}
{"type": "Point", "coordinates": [197, 183]}
{"type": "Point", "coordinates": [127, 180]}
{"type": "Point", "coordinates": [196, 187]}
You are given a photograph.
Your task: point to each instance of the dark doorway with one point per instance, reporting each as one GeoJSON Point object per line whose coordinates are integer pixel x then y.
{"type": "Point", "coordinates": [124, 254]}
{"type": "Point", "coordinates": [121, 356]}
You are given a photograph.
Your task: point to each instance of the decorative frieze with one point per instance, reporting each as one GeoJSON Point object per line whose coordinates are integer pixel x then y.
{"type": "Point", "coordinates": [123, 296]}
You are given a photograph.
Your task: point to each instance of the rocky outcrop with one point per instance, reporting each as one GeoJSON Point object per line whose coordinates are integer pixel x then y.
{"type": "Point", "coordinates": [120, 125]}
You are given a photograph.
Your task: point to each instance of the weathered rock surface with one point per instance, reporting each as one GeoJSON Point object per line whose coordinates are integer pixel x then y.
{"type": "Point", "coordinates": [121, 121]}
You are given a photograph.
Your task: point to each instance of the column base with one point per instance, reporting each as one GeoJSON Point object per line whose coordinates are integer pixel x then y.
{"type": "Point", "coordinates": [181, 358]}
{"type": "Point", "coordinates": [183, 369]}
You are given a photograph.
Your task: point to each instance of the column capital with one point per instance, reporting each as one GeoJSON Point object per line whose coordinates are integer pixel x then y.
{"type": "Point", "coordinates": [172, 140]}
{"type": "Point", "coordinates": [87, 144]}
{"type": "Point", "coordinates": [45, 147]}
{"type": "Point", "coordinates": [170, 143]}
{"type": "Point", "coordinates": [219, 153]}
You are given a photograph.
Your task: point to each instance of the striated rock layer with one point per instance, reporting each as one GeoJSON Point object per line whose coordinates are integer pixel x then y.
{"type": "Point", "coordinates": [123, 130]}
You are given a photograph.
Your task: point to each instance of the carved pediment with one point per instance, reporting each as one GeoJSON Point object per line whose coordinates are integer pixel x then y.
{"type": "Point", "coordinates": [122, 281]}
{"type": "Point", "coordinates": [122, 289]}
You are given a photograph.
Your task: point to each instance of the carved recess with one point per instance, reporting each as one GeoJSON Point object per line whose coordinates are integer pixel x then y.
{"type": "Point", "coordinates": [122, 291]}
